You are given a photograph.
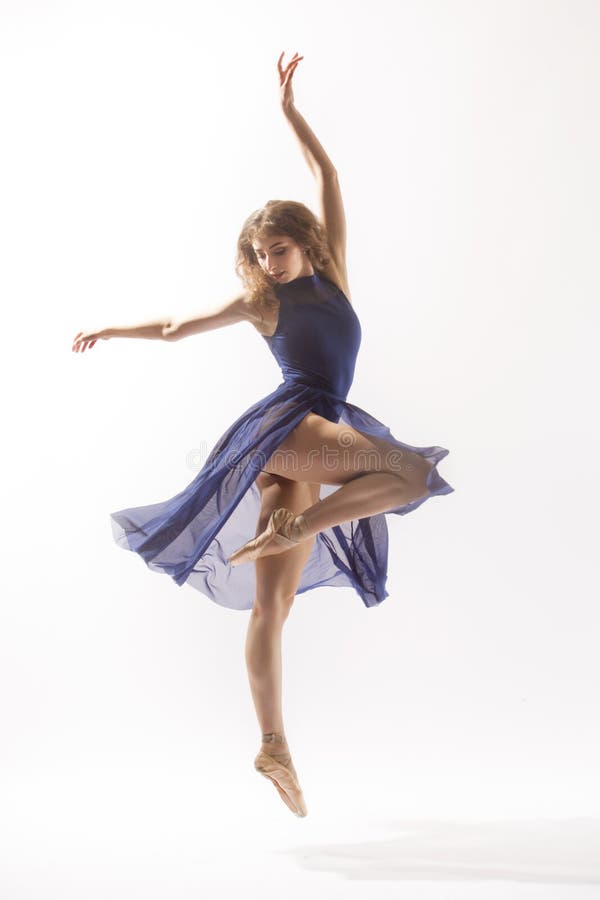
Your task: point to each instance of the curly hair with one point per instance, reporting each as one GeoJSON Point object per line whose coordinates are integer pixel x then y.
{"type": "Point", "coordinates": [278, 217]}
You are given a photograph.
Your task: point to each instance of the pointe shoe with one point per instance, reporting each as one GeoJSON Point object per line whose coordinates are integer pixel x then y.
{"type": "Point", "coordinates": [277, 533]}
{"type": "Point", "coordinates": [279, 769]}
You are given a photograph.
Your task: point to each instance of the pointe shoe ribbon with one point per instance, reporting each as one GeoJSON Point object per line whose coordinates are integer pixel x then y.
{"type": "Point", "coordinates": [277, 532]}
{"type": "Point", "coordinates": [285, 780]}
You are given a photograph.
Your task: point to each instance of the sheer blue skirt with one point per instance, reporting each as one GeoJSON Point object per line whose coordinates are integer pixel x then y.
{"type": "Point", "coordinates": [191, 535]}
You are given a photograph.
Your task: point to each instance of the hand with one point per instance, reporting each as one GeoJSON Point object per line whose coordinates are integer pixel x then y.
{"type": "Point", "coordinates": [285, 80]}
{"type": "Point", "coordinates": [83, 340]}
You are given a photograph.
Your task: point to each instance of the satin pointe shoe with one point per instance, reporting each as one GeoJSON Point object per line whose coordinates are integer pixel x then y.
{"type": "Point", "coordinates": [278, 533]}
{"type": "Point", "coordinates": [279, 768]}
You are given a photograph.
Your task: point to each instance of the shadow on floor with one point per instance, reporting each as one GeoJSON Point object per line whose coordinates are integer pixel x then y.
{"type": "Point", "coordinates": [546, 851]}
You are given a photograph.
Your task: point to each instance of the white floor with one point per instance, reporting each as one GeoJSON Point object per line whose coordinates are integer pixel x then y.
{"type": "Point", "coordinates": [107, 831]}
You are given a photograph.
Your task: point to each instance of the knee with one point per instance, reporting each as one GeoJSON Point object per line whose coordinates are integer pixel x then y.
{"type": "Point", "coordinates": [409, 487]}
{"type": "Point", "coordinates": [264, 480]}
{"type": "Point", "coordinates": [273, 608]}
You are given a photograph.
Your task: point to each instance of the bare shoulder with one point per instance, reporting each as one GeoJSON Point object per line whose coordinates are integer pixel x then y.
{"type": "Point", "coordinates": [243, 307]}
{"type": "Point", "coordinates": [262, 318]}
{"type": "Point", "coordinates": [248, 307]}
{"type": "Point", "coordinates": [228, 312]}
{"type": "Point", "coordinates": [335, 271]}
{"type": "Point", "coordinates": [239, 308]}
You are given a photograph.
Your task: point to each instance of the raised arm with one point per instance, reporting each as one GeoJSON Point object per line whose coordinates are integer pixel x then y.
{"type": "Point", "coordinates": [318, 161]}
{"type": "Point", "coordinates": [332, 214]}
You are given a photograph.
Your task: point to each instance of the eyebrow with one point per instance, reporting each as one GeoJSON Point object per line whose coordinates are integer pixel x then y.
{"type": "Point", "coordinates": [258, 250]}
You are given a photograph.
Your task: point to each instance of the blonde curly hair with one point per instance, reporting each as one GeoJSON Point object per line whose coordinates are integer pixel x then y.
{"type": "Point", "coordinates": [278, 217]}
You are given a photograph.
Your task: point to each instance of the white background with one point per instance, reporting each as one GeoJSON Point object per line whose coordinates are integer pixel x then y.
{"type": "Point", "coordinates": [447, 741]}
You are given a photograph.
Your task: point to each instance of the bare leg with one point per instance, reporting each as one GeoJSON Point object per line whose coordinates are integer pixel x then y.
{"type": "Point", "coordinates": [365, 495]}
{"type": "Point", "coordinates": [277, 580]}
{"type": "Point", "coordinates": [263, 660]}
{"type": "Point", "coordinates": [374, 476]}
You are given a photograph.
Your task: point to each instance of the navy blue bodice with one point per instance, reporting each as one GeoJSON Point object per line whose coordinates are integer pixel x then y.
{"type": "Point", "coordinates": [318, 334]}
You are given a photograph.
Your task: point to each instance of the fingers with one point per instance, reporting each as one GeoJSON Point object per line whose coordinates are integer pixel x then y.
{"type": "Point", "coordinates": [81, 343]}
{"type": "Point", "coordinates": [293, 66]}
{"type": "Point", "coordinates": [294, 60]}
{"type": "Point", "coordinates": [288, 77]}
{"type": "Point", "coordinates": [293, 57]}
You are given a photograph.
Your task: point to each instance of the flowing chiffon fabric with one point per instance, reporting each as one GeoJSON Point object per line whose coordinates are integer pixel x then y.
{"type": "Point", "coordinates": [191, 535]}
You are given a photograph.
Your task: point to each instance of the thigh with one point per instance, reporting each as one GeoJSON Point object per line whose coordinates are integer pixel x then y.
{"type": "Point", "coordinates": [278, 575]}
{"type": "Point", "coordinates": [325, 452]}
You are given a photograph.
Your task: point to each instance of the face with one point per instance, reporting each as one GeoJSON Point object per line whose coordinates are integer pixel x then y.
{"type": "Point", "coordinates": [280, 255]}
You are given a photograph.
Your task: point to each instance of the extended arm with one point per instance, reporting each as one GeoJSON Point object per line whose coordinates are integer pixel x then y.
{"type": "Point", "coordinates": [228, 313]}
{"type": "Point", "coordinates": [85, 340]}
{"type": "Point", "coordinates": [152, 330]}
{"type": "Point", "coordinates": [170, 329]}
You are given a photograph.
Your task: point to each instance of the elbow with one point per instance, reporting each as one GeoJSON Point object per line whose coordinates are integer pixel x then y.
{"type": "Point", "coordinates": [171, 331]}
{"type": "Point", "coordinates": [327, 171]}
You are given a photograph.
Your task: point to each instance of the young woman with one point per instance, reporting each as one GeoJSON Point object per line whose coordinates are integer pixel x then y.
{"type": "Point", "coordinates": [309, 474]}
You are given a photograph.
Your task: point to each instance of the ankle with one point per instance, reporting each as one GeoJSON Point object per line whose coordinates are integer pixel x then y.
{"type": "Point", "coordinates": [299, 530]}
{"type": "Point", "coordinates": [274, 738]}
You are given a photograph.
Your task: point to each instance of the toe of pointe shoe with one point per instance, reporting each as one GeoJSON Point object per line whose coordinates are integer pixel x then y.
{"type": "Point", "coordinates": [279, 519]}
{"type": "Point", "coordinates": [284, 780]}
